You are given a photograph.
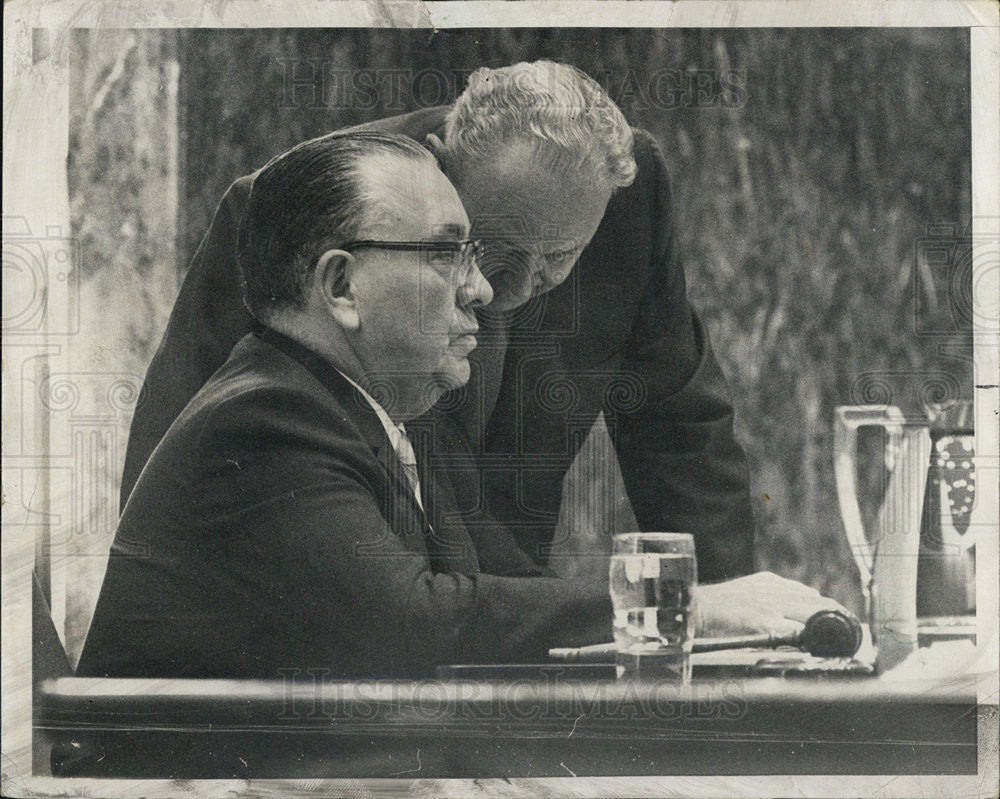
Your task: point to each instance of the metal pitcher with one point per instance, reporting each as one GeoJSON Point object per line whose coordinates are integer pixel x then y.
{"type": "Point", "coordinates": [886, 555]}
{"type": "Point", "coordinates": [918, 557]}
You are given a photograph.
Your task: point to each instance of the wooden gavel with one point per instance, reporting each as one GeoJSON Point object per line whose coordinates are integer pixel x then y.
{"type": "Point", "coordinates": [828, 633]}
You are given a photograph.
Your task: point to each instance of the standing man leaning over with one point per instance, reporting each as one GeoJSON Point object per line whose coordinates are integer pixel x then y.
{"type": "Point", "coordinates": [590, 315]}
{"type": "Point", "coordinates": [280, 524]}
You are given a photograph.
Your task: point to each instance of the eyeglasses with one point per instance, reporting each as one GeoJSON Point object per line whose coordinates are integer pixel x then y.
{"type": "Point", "coordinates": [468, 251]}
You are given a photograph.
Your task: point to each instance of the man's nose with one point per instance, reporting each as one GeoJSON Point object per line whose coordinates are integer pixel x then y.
{"type": "Point", "coordinates": [475, 291]}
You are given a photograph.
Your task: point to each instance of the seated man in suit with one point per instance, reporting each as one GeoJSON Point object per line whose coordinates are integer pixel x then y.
{"type": "Point", "coordinates": [279, 524]}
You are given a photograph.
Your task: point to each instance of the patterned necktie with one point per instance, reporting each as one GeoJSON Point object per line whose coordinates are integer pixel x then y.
{"type": "Point", "coordinates": [407, 457]}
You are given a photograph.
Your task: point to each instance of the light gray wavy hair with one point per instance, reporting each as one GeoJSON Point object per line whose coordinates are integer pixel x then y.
{"type": "Point", "coordinates": [562, 110]}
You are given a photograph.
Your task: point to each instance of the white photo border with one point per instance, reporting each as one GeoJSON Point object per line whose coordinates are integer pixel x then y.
{"type": "Point", "coordinates": [35, 120]}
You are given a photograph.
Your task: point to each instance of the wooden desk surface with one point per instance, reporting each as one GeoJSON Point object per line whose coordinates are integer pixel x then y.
{"type": "Point", "coordinates": [556, 726]}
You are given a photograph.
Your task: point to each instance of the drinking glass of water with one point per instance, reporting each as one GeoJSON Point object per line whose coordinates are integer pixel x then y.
{"type": "Point", "coordinates": [653, 579]}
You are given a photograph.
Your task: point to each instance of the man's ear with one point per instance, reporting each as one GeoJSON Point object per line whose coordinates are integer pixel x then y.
{"type": "Point", "coordinates": [436, 146]}
{"type": "Point", "coordinates": [333, 288]}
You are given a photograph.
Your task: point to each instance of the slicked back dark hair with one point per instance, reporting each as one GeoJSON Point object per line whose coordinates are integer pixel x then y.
{"type": "Point", "coordinates": [304, 202]}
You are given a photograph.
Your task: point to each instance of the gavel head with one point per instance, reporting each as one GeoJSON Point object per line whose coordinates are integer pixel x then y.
{"type": "Point", "coordinates": [831, 634]}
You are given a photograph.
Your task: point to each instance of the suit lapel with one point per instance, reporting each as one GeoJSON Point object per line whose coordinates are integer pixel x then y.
{"type": "Point", "coordinates": [402, 513]}
{"type": "Point", "coordinates": [449, 546]}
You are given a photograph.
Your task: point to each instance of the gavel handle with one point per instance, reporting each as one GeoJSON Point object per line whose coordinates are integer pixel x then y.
{"type": "Point", "coordinates": [743, 642]}
{"type": "Point", "coordinates": [826, 633]}
{"type": "Point", "coordinates": [605, 653]}
{"type": "Point", "coordinates": [596, 653]}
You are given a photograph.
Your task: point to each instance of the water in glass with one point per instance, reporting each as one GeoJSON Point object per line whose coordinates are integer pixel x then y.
{"type": "Point", "coordinates": [652, 596]}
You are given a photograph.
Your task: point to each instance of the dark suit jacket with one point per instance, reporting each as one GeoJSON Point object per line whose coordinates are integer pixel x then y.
{"type": "Point", "coordinates": [617, 336]}
{"type": "Point", "coordinates": [273, 529]}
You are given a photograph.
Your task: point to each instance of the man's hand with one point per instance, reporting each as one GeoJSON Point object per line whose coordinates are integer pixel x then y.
{"type": "Point", "coordinates": [757, 603]}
